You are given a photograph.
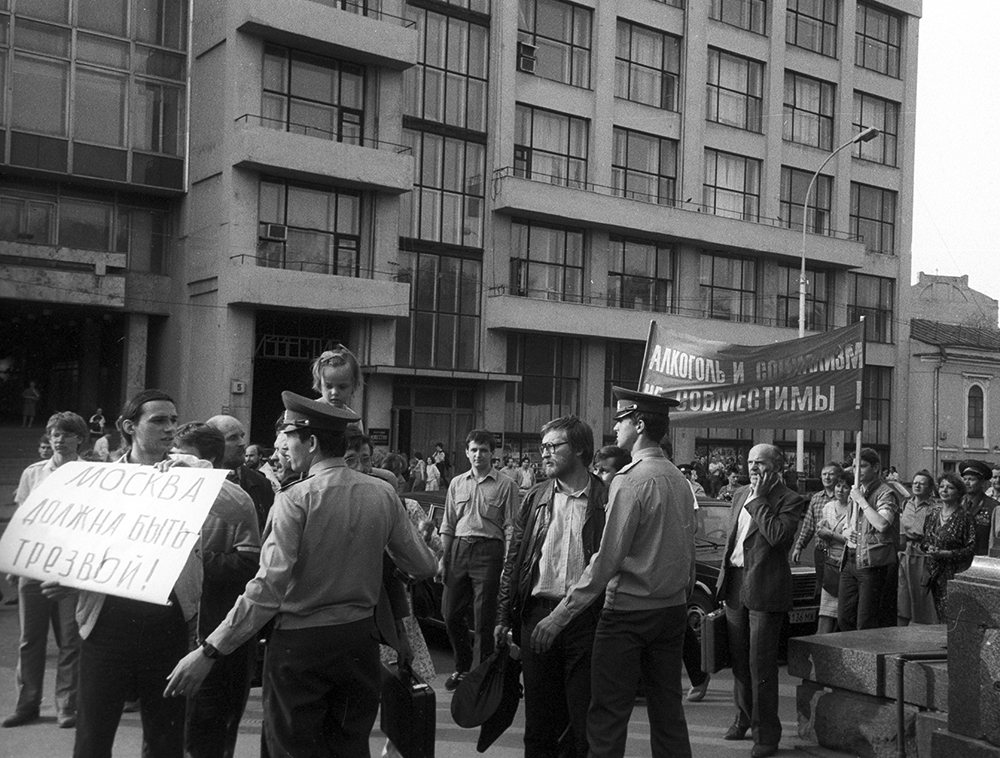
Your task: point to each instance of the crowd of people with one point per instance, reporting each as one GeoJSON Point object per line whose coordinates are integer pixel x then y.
{"type": "Point", "coordinates": [585, 565]}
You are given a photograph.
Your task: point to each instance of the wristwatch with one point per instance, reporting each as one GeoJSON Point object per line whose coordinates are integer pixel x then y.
{"type": "Point", "coordinates": [210, 651]}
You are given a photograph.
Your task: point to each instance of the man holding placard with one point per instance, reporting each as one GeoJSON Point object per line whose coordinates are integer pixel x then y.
{"type": "Point", "coordinates": [66, 433]}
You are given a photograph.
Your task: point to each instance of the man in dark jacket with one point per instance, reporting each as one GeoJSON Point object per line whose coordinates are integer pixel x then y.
{"type": "Point", "coordinates": [252, 482]}
{"type": "Point", "coordinates": [557, 530]}
{"type": "Point", "coordinates": [756, 583]}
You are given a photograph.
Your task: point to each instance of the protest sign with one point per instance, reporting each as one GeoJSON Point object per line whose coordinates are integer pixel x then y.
{"type": "Point", "coordinates": [809, 383]}
{"type": "Point", "coordinates": [115, 528]}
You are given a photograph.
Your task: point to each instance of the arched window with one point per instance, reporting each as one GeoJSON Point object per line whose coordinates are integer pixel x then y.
{"type": "Point", "coordinates": [975, 412]}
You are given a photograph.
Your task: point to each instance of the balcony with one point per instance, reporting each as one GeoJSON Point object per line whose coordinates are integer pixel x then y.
{"type": "Point", "coordinates": [308, 283]}
{"type": "Point", "coordinates": [354, 31]}
{"type": "Point", "coordinates": [589, 205]}
{"type": "Point", "coordinates": [60, 274]}
{"type": "Point", "coordinates": [299, 151]}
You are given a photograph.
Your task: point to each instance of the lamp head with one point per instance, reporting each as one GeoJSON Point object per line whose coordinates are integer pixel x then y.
{"type": "Point", "coordinates": [867, 134]}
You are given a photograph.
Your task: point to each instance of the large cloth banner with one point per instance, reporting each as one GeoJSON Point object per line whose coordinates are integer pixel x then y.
{"type": "Point", "coordinates": [115, 528]}
{"type": "Point", "coordinates": [809, 383]}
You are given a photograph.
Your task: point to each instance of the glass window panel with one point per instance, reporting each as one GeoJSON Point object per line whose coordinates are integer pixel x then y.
{"type": "Point", "coordinates": [153, 62]}
{"type": "Point", "coordinates": [50, 10]}
{"type": "Point", "coordinates": [309, 208]}
{"type": "Point", "coordinates": [161, 22]}
{"type": "Point", "coordinates": [85, 225]}
{"type": "Point", "coordinates": [100, 107]}
{"type": "Point", "coordinates": [107, 52]}
{"type": "Point", "coordinates": [42, 38]}
{"type": "Point", "coordinates": [271, 206]}
{"type": "Point", "coordinates": [103, 15]}
{"type": "Point", "coordinates": [313, 79]}
{"type": "Point", "coordinates": [40, 95]}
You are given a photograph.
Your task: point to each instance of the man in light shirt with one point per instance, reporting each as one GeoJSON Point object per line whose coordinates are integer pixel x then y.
{"type": "Point", "coordinates": [557, 530]}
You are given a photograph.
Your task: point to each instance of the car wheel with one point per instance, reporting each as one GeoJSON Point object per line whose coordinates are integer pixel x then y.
{"type": "Point", "coordinates": [699, 606]}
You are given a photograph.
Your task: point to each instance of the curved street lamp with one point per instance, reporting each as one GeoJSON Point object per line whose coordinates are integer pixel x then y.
{"type": "Point", "coordinates": [865, 135]}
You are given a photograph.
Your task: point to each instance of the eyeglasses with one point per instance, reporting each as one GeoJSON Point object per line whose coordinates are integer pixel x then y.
{"type": "Point", "coordinates": [548, 449]}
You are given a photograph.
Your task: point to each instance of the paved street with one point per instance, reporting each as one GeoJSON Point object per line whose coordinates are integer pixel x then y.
{"type": "Point", "coordinates": [706, 720]}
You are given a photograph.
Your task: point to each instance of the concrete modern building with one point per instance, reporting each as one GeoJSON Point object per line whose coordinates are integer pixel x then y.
{"type": "Point", "coordinates": [487, 201]}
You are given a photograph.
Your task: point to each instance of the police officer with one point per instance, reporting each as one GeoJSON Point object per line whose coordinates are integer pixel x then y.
{"type": "Point", "coordinates": [321, 583]}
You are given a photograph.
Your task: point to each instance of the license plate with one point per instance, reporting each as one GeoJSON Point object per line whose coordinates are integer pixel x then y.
{"type": "Point", "coordinates": [805, 616]}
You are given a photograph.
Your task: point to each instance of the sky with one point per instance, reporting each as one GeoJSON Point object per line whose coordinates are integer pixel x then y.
{"type": "Point", "coordinates": [956, 214]}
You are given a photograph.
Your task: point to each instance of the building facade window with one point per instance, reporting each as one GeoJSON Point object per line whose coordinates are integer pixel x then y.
{"type": "Point", "coordinates": [812, 25]}
{"type": "Point", "coordinates": [876, 412]}
{"type": "Point", "coordinates": [744, 14]}
{"type": "Point", "coordinates": [735, 90]}
{"type": "Point", "coordinates": [647, 66]}
{"type": "Point", "coordinates": [884, 116]}
{"type": "Point", "coordinates": [878, 40]}
{"type": "Point", "coordinates": [644, 167]}
{"type": "Point", "coordinates": [48, 214]}
{"type": "Point", "coordinates": [546, 261]}
{"type": "Point", "coordinates": [873, 217]}
{"type": "Point", "coordinates": [974, 417]}
{"type": "Point", "coordinates": [561, 34]}
{"type": "Point", "coordinates": [641, 275]}
{"type": "Point", "coordinates": [728, 288]}
{"type": "Point", "coordinates": [819, 297]}
{"type": "Point", "coordinates": [108, 105]}
{"type": "Point", "coordinates": [732, 185]}
{"type": "Point", "coordinates": [312, 95]}
{"type": "Point", "coordinates": [321, 228]}
{"type": "Point", "coordinates": [550, 147]}
{"type": "Point", "coordinates": [449, 83]}
{"type": "Point", "coordinates": [442, 331]}
{"type": "Point", "coordinates": [622, 368]}
{"type": "Point", "coordinates": [874, 298]}
{"type": "Point", "coordinates": [446, 204]}
{"type": "Point", "coordinates": [794, 185]}
{"type": "Point", "coordinates": [808, 117]}
{"type": "Point", "coordinates": [549, 367]}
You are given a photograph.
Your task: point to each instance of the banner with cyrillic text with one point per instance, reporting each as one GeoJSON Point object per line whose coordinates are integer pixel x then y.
{"type": "Point", "coordinates": [115, 528]}
{"type": "Point", "coordinates": [809, 383]}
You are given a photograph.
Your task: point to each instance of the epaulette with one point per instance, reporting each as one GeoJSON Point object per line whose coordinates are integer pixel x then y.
{"type": "Point", "coordinates": [289, 485]}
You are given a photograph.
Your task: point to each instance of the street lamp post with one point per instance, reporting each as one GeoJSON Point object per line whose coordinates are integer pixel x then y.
{"type": "Point", "coordinates": [865, 135]}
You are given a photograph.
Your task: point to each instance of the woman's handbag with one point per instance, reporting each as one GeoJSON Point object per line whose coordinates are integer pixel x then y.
{"type": "Point", "coordinates": [831, 572]}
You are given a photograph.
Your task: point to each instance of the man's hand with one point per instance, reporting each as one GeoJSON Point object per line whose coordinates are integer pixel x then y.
{"type": "Point", "coordinates": [404, 651]}
{"type": "Point", "coordinates": [500, 634]}
{"type": "Point", "coordinates": [858, 496]}
{"type": "Point", "coordinates": [442, 572]}
{"type": "Point", "coordinates": [796, 554]}
{"type": "Point", "coordinates": [762, 485]}
{"type": "Point", "coordinates": [188, 674]}
{"type": "Point", "coordinates": [55, 591]}
{"type": "Point", "coordinates": [544, 634]}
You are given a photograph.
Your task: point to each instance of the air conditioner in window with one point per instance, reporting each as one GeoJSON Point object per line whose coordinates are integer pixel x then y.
{"type": "Point", "coordinates": [526, 57]}
{"type": "Point", "coordinates": [277, 232]}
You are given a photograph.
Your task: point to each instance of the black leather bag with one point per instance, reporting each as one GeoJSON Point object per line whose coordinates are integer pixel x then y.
{"type": "Point", "coordinates": [715, 642]}
{"type": "Point", "coordinates": [408, 712]}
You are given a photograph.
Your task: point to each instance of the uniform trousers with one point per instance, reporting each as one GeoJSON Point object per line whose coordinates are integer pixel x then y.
{"type": "Point", "coordinates": [473, 581]}
{"type": "Point", "coordinates": [321, 690]}
{"type": "Point", "coordinates": [36, 613]}
{"type": "Point", "coordinates": [215, 711]}
{"type": "Point", "coordinates": [557, 685]}
{"type": "Point", "coordinates": [128, 654]}
{"type": "Point", "coordinates": [626, 644]}
{"type": "Point", "coordinates": [753, 647]}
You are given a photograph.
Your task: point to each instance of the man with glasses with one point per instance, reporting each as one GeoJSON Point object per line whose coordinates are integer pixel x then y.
{"type": "Point", "coordinates": [478, 519]}
{"type": "Point", "coordinates": [645, 568]}
{"type": "Point", "coordinates": [557, 530]}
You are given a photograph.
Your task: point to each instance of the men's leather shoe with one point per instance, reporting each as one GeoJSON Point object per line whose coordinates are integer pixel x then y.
{"type": "Point", "coordinates": [19, 719]}
{"type": "Point", "coordinates": [452, 682]}
{"type": "Point", "coordinates": [697, 694]}
{"type": "Point", "coordinates": [66, 720]}
{"type": "Point", "coordinates": [736, 732]}
{"type": "Point", "coordinates": [763, 751]}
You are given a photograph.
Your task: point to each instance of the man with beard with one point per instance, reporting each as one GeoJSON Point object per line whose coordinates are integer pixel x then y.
{"type": "Point", "coordinates": [557, 530]}
{"type": "Point", "coordinates": [253, 483]}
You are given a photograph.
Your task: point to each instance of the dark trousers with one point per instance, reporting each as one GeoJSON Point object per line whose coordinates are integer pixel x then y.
{"type": "Point", "coordinates": [625, 644]}
{"type": "Point", "coordinates": [863, 597]}
{"type": "Point", "coordinates": [321, 690]}
{"type": "Point", "coordinates": [473, 581]}
{"type": "Point", "coordinates": [692, 657]}
{"type": "Point", "coordinates": [557, 685]}
{"type": "Point", "coordinates": [37, 613]}
{"type": "Point", "coordinates": [214, 713]}
{"type": "Point", "coordinates": [753, 647]}
{"type": "Point", "coordinates": [129, 653]}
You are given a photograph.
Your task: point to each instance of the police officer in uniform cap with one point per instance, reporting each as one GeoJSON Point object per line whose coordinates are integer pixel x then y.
{"type": "Point", "coordinates": [321, 585]}
{"type": "Point", "coordinates": [979, 505]}
{"type": "Point", "coordinates": [645, 567]}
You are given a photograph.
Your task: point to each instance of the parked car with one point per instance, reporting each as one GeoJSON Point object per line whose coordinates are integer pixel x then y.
{"type": "Point", "coordinates": [710, 547]}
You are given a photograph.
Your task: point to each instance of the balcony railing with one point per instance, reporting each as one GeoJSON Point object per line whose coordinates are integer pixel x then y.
{"type": "Point", "coordinates": [369, 8]}
{"type": "Point", "coordinates": [290, 261]}
{"type": "Point", "coordinates": [284, 125]}
{"type": "Point", "coordinates": [685, 205]}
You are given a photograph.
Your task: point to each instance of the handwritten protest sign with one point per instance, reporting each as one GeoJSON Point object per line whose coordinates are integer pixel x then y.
{"type": "Point", "coordinates": [810, 383]}
{"type": "Point", "coordinates": [115, 528]}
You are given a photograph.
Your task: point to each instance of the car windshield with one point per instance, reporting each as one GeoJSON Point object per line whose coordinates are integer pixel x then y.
{"type": "Point", "coordinates": [713, 522]}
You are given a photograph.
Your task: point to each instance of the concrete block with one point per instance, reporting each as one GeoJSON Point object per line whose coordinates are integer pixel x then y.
{"type": "Point", "coordinates": [964, 665]}
{"type": "Point", "coordinates": [950, 745]}
{"type": "Point", "coordinates": [852, 722]}
{"type": "Point", "coordinates": [925, 683]}
{"type": "Point", "coordinates": [856, 661]}
{"type": "Point", "coordinates": [927, 723]}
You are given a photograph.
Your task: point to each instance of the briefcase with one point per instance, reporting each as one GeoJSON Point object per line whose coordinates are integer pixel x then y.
{"type": "Point", "coordinates": [714, 642]}
{"type": "Point", "coordinates": [408, 712]}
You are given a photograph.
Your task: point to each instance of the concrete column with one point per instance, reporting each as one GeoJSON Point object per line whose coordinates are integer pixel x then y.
{"type": "Point", "coordinates": [90, 364]}
{"type": "Point", "coordinates": [134, 363]}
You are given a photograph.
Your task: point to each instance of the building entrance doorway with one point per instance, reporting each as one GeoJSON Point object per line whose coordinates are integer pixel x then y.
{"type": "Point", "coordinates": [424, 415]}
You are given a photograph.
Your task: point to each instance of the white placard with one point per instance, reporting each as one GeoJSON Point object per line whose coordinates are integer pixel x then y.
{"type": "Point", "coordinates": [116, 528]}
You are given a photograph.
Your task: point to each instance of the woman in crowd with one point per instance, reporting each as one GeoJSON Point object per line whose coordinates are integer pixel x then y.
{"type": "Point", "coordinates": [914, 602]}
{"type": "Point", "coordinates": [813, 515]}
{"type": "Point", "coordinates": [949, 538]}
{"type": "Point", "coordinates": [830, 532]}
